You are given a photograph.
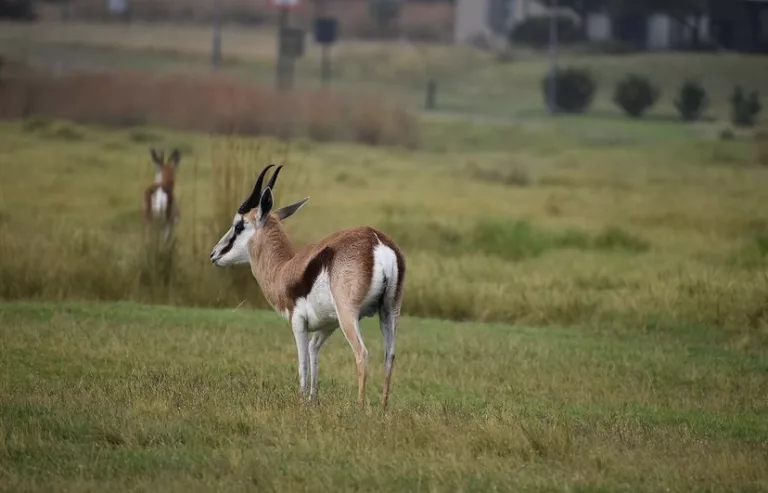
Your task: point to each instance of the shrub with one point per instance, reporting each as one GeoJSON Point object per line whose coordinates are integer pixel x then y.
{"type": "Point", "coordinates": [534, 31]}
{"type": "Point", "coordinates": [744, 109]}
{"type": "Point", "coordinates": [615, 238]}
{"type": "Point", "coordinates": [575, 89]}
{"type": "Point", "coordinates": [691, 101]}
{"type": "Point", "coordinates": [635, 94]}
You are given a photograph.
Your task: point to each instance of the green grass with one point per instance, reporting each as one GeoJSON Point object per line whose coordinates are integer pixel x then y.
{"type": "Point", "coordinates": [125, 397]}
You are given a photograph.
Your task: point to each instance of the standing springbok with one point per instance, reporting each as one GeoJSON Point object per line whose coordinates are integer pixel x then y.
{"type": "Point", "coordinates": [348, 275]}
{"type": "Point", "coordinates": [159, 201]}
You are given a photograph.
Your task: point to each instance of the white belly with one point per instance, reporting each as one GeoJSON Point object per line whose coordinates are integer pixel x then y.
{"type": "Point", "coordinates": [159, 203]}
{"type": "Point", "coordinates": [318, 308]}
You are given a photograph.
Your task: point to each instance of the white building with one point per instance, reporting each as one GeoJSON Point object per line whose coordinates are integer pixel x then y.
{"type": "Point", "coordinates": [492, 18]}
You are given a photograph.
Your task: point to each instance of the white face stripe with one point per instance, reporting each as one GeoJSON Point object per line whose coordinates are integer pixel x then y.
{"type": "Point", "coordinates": [233, 246]}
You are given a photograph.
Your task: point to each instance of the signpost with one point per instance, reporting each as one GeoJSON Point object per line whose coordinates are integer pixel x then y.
{"type": "Point", "coordinates": [326, 32]}
{"type": "Point", "coordinates": [290, 43]}
{"type": "Point", "coordinates": [552, 86]}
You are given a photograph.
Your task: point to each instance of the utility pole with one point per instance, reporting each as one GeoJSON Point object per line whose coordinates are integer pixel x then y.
{"type": "Point", "coordinates": [325, 61]}
{"type": "Point", "coordinates": [216, 42]}
{"type": "Point", "coordinates": [552, 86]}
{"type": "Point", "coordinates": [284, 65]}
{"type": "Point", "coordinates": [290, 44]}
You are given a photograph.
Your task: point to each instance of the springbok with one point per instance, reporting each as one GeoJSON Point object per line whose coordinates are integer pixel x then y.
{"type": "Point", "coordinates": [159, 201]}
{"type": "Point", "coordinates": [348, 275]}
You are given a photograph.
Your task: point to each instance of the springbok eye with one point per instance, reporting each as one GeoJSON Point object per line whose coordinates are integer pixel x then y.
{"type": "Point", "coordinates": [239, 227]}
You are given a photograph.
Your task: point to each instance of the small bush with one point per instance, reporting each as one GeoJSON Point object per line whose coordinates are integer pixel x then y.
{"type": "Point", "coordinates": [614, 238]}
{"type": "Point", "coordinates": [691, 101]}
{"type": "Point", "coordinates": [534, 31]}
{"type": "Point", "coordinates": [517, 240]}
{"type": "Point", "coordinates": [745, 109]}
{"type": "Point", "coordinates": [635, 94]}
{"type": "Point", "coordinates": [753, 254]}
{"type": "Point", "coordinates": [575, 89]}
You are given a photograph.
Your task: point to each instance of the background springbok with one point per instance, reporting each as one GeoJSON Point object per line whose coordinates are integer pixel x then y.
{"type": "Point", "coordinates": [348, 275]}
{"type": "Point", "coordinates": [159, 203]}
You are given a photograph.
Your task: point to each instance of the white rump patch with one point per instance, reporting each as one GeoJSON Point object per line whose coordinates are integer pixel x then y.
{"type": "Point", "coordinates": [319, 307]}
{"type": "Point", "coordinates": [384, 279]}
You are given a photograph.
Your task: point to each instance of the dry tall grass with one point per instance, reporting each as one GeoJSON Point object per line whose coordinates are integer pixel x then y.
{"type": "Point", "coordinates": [614, 236]}
{"type": "Point", "coordinates": [212, 104]}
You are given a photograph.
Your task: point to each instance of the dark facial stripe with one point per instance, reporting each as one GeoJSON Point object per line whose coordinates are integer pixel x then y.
{"type": "Point", "coordinates": [239, 227]}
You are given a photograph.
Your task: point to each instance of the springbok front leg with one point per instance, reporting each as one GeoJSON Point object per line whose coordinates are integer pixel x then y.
{"type": "Point", "coordinates": [299, 326]}
{"type": "Point", "coordinates": [317, 341]}
{"type": "Point", "coordinates": [348, 320]}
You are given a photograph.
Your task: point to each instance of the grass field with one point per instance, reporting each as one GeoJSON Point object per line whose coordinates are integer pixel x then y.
{"type": "Point", "coordinates": [469, 80]}
{"type": "Point", "coordinates": [125, 397]}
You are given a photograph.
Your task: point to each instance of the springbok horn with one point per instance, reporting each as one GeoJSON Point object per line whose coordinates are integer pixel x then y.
{"type": "Point", "coordinates": [273, 178]}
{"type": "Point", "coordinates": [253, 199]}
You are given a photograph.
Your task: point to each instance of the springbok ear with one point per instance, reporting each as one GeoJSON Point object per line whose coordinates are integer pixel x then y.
{"type": "Point", "coordinates": [175, 158]}
{"type": "Point", "coordinates": [265, 206]}
{"type": "Point", "coordinates": [157, 157]}
{"type": "Point", "coordinates": [290, 210]}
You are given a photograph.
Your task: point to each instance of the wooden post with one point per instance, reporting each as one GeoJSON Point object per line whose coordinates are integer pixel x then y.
{"type": "Point", "coordinates": [284, 63]}
{"type": "Point", "coordinates": [216, 41]}
{"type": "Point", "coordinates": [552, 87]}
{"type": "Point", "coordinates": [431, 94]}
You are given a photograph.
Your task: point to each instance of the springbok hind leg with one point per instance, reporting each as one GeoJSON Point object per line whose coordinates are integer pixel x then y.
{"type": "Point", "coordinates": [348, 320]}
{"type": "Point", "coordinates": [388, 320]}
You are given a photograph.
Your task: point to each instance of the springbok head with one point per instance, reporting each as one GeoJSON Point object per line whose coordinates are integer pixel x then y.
{"type": "Point", "coordinates": [251, 219]}
{"type": "Point", "coordinates": [165, 169]}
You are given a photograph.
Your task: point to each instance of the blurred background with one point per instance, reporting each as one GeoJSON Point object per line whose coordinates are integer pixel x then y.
{"type": "Point", "coordinates": [571, 161]}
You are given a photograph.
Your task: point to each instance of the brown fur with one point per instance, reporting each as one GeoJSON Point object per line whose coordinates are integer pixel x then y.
{"type": "Point", "coordinates": [285, 274]}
